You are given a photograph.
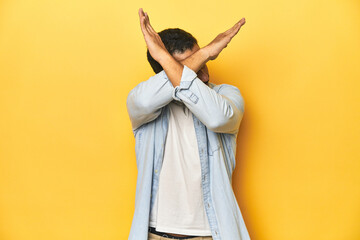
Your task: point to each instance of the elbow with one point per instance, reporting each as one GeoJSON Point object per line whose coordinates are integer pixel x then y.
{"type": "Point", "coordinates": [226, 124]}
{"type": "Point", "coordinates": [220, 124]}
{"type": "Point", "coordinates": [137, 103]}
{"type": "Point", "coordinates": [217, 122]}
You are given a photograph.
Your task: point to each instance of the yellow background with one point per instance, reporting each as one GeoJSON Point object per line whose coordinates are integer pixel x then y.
{"type": "Point", "coordinates": [67, 158]}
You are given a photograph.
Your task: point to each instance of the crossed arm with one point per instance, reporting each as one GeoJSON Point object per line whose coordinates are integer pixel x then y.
{"type": "Point", "coordinates": [220, 111]}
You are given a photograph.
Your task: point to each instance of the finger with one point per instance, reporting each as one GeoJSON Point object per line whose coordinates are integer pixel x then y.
{"type": "Point", "coordinates": [149, 24]}
{"type": "Point", "coordinates": [232, 34]}
{"type": "Point", "coordinates": [141, 16]}
{"type": "Point", "coordinates": [242, 21]}
{"type": "Point", "coordinates": [141, 12]}
{"type": "Point", "coordinates": [239, 25]}
{"type": "Point", "coordinates": [142, 22]}
{"type": "Point", "coordinates": [236, 27]}
{"type": "Point", "coordinates": [145, 22]}
{"type": "Point", "coordinates": [232, 29]}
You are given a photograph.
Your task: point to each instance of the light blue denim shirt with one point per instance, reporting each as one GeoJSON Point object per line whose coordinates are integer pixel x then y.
{"type": "Point", "coordinates": [217, 113]}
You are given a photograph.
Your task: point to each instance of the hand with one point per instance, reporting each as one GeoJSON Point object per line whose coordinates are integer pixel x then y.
{"type": "Point", "coordinates": [221, 41]}
{"type": "Point", "coordinates": [153, 41]}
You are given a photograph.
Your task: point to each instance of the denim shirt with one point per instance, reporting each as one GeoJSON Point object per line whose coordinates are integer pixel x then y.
{"type": "Point", "coordinates": [217, 113]}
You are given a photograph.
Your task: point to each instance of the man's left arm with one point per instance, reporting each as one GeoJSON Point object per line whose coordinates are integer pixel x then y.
{"type": "Point", "coordinates": [220, 111]}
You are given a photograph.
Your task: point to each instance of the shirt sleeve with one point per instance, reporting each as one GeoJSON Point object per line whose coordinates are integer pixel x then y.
{"type": "Point", "coordinates": [145, 101]}
{"type": "Point", "coordinates": [220, 111]}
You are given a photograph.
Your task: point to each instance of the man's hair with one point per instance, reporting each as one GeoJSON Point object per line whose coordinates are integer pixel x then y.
{"type": "Point", "coordinates": [175, 40]}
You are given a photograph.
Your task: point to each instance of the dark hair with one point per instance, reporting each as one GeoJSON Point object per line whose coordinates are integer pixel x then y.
{"type": "Point", "coordinates": [175, 40]}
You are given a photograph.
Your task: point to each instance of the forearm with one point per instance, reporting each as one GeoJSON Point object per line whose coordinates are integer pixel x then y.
{"type": "Point", "coordinates": [220, 108]}
{"type": "Point", "coordinates": [197, 60]}
{"type": "Point", "coordinates": [145, 100]}
{"type": "Point", "coordinates": [174, 69]}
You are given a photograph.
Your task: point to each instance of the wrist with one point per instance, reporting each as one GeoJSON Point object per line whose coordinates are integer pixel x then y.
{"type": "Point", "coordinates": [164, 58]}
{"type": "Point", "coordinates": [205, 53]}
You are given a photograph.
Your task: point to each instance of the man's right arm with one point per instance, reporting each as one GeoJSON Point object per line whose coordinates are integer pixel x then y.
{"type": "Point", "coordinates": [145, 101]}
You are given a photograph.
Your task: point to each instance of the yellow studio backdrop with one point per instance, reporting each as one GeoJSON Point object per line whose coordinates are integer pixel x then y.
{"type": "Point", "coordinates": [67, 157]}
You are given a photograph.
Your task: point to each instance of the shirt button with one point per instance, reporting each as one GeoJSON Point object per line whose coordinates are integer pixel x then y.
{"type": "Point", "coordinates": [216, 233]}
{"type": "Point", "coordinates": [202, 150]}
{"type": "Point", "coordinates": [208, 204]}
{"type": "Point", "coordinates": [156, 170]}
{"type": "Point", "coordinates": [204, 177]}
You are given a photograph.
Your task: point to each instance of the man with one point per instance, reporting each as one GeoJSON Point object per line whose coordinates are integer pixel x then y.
{"type": "Point", "coordinates": [185, 130]}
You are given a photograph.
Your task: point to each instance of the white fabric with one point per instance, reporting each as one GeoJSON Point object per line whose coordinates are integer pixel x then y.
{"type": "Point", "coordinates": [179, 207]}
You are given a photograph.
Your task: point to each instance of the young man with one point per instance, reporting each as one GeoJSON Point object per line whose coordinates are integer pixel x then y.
{"type": "Point", "coordinates": [185, 130]}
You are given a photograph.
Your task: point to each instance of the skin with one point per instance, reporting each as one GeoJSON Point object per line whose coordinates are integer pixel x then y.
{"type": "Point", "coordinates": [203, 73]}
{"type": "Point", "coordinates": [195, 61]}
{"type": "Point", "coordinates": [194, 58]}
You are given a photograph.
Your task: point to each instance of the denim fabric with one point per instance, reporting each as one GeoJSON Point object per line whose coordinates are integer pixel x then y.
{"type": "Point", "coordinates": [217, 114]}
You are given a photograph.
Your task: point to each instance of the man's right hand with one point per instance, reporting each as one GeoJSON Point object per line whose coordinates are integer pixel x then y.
{"type": "Point", "coordinates": [221, 41]}
{"type": "Point", "coordinates": [153, 41]}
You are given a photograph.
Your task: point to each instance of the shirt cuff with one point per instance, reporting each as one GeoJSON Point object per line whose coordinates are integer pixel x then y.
{"type": "Point", "coordinates": [164, 76]}
{"type": "Point", "coordinates": [187, 78]}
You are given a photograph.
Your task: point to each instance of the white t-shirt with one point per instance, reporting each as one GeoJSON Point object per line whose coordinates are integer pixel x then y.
{"type": "Point", "coordinates": [179, 207]}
